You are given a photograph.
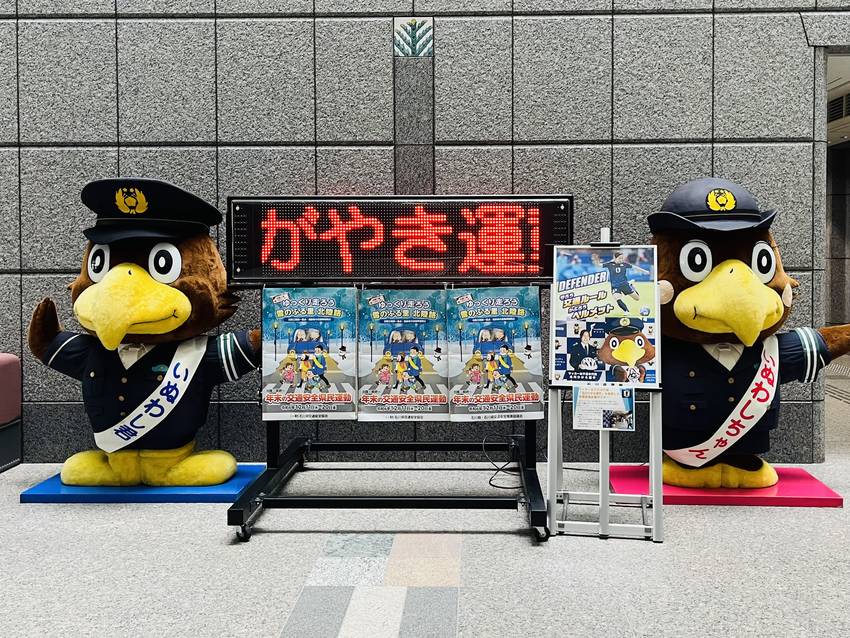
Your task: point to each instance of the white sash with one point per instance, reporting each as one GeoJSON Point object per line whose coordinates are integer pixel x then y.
{"type": "Point", "coordinates": [749, 411]}
{"type": "Point", "coordinates": [160, 402]}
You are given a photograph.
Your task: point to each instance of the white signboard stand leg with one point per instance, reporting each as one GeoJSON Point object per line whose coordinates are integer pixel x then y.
{"type": "Point", "coordinates": [656, 484]}
{"type": "Point", "coordinates": [559, 499]}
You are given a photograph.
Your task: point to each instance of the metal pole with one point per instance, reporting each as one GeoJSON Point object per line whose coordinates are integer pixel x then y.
{"type": "Point", "coordinates": [554, 454]}
{"type": "Point", "coordinates": [651, 447]}
{"type": "Point", "coordinates": [272, 443]}
{"type": "Point", "coordinates": [655, 456]}
{"type": "Point", "coordinates": [604, 449]}
{"type": "Point", "coordinates": [604, 481]}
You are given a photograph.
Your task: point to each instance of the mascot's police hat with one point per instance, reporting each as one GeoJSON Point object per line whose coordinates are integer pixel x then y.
{"type": "Point", "coordinates": [132, 208]}
{"type": "Point", "coordinates": [625, 326]}
{"type": "Point", "coordinates": [710, 204]}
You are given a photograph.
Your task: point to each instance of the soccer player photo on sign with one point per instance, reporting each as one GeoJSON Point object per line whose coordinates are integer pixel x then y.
{"type": "Point", "coordinates": [618, 277]}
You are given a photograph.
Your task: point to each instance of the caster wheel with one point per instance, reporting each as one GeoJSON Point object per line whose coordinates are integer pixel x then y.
{"type": "Point", "coordinates": [243, 534]}
{"type": "Point", "coordinates": [541, 536]}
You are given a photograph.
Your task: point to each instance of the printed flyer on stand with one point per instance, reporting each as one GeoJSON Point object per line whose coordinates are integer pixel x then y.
{"type": "Point", "coordinates": [495, 360]}
{"type": "Point", "coordinates": [603, 407]}
{"type": "Point", "coordinates": [309, 353]}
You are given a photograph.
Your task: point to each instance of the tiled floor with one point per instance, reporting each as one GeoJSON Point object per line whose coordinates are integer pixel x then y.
{"type": "Point", "coordinates": [380, 585]}
{"type": "Point", "coordinates": [176, 570]}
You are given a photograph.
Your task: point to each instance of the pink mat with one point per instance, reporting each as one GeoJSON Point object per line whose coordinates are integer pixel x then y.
{"type": "Point", "coordinates": [796, 488]}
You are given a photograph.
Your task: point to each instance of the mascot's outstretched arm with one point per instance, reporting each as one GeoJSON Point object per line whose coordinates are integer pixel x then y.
{"type": "Point", "coordinates": [151, 288]}
{"type": "Point", "coordinates": [837, 339]}
{"type": "Point", "coordinates": [44, 327]}
{"type": "Point", "coordinates": [256, 340]}
{"type": "Point", "coordinates": [725, 297]}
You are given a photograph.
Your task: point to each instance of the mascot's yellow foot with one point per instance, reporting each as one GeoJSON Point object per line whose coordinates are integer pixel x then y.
{"type": "Point", "coordinates": [697, 477]}
{"type": "Point", "coordinates": [183, 466]}
{"type": "Point", "coordinates": [96, 467]}
{"type": "Point", "coordinates": [209, 467]}
{"type": "Point", "coordinates": [753, 475]}
{"type": "Point", "coordinates": [764, 476]}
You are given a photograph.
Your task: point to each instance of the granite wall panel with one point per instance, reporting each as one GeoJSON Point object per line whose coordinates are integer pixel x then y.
{"type": "Point", "coordinates": [472, 77]}
{"type": "Point", "coordinates": [67, 81]}
{"type": "Point", "coordinates": [562, 84]}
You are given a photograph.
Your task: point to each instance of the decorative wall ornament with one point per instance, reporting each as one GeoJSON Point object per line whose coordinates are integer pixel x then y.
{"type": "Point", "coordinates": [413, 37]}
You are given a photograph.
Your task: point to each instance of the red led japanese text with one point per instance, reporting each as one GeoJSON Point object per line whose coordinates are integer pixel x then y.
{"type": "Point", "coordinates": [499, 239]}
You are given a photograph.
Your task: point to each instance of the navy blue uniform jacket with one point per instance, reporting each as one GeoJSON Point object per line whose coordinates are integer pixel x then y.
{"type": "Point", "coordinates": [110, 391]}
{"type": "Point", "coordinates": [578, 352]}
{"type": "Point", "coordinates": [699, 392]}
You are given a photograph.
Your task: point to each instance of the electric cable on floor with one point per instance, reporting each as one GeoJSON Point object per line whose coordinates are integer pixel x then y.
{"type": "Point", "coordinates": [500, 469]}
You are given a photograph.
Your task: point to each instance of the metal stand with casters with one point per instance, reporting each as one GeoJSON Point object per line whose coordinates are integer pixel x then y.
{"type": "Point", "coordinates": [266, 492]}
{"type": "Point", "coordinates": [652, 526]}
{"type": "Point", "coordinates": [540, 220]}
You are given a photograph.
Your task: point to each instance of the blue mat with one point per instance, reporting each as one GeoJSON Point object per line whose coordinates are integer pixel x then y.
{"type": "Point", "coordinates": [53, 491]}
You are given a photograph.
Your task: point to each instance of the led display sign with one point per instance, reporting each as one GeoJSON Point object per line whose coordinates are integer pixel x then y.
{"type": "Point", "coordinates": [492, 239]}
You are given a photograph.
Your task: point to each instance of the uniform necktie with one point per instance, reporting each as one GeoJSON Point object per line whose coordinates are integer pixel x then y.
{"type": "Point", "coordinates": [727, 354]}
{"type": "Point", "coordinates": [130, 353]}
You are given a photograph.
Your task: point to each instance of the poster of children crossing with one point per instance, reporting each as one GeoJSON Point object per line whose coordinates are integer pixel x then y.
{"type": "Point", "coordinates": [495, 362]}
{"type": "Point", "coordinates": [402, 355]}
{"type": "Point", "coordinates": [309, 353]}
{"type": "Point", "coordinates": [605, 317]}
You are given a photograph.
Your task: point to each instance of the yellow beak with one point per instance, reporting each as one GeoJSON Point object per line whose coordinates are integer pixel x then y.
{"type": "Point", "coordinates": [129, 301]}
{"type": "Point", "coordinates": [628, 352]}
{"type": "Point", "coordinates": [731, 299]}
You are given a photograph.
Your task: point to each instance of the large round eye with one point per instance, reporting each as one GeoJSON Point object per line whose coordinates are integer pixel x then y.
{"type": "Point", "coordinates": [165, 263]}
{"type": "Point", "coordinates": [695, 260]}
{"type": "Point", "coordinates": [764, 261]}
{"type": "Point", "coordinates": [614, 343]}
{"type": "Point", "coordinates": [639, 342]}
{"type": "Point", "coordinates": [98, 264]}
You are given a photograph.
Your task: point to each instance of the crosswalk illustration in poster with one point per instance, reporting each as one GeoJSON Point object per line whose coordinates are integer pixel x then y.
{"type": "Point", "coordinates": [402, 355]}
{"type": "Point", "coordinates": [309, 368]}
{"type": "Point", "coordinates": [495, 361]}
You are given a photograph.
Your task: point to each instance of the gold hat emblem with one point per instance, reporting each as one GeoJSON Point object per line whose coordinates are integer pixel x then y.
{"type": "Point", "coordinates": [720, 200]}
{"type": "Point", "coordinates": [624, 321]}
{"type": "Point", "coordinates": [131, 201]}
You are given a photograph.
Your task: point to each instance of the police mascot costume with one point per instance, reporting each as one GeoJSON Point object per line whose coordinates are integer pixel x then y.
{"type": "Point", "coordinates": [151, 285]}
{"type": "Point", "coordinates": [724, 298]}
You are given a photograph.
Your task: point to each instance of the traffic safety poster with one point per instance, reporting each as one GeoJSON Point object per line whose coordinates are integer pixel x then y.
{"type": "Point", "coordinates": [309, 353]}
{"type": "Point", "coordinates": [495, 359]}
{"type": "Point", "coordinates": [605, 317]}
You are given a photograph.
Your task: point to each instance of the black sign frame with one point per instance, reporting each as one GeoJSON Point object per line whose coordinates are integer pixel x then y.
{"type": "Point", "coordinates": [553, 230]}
